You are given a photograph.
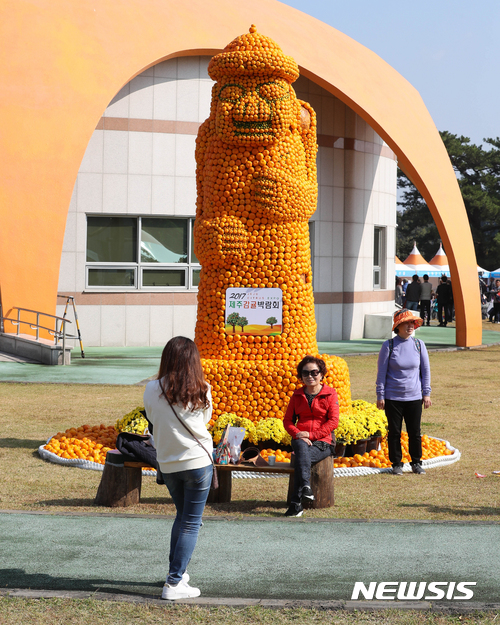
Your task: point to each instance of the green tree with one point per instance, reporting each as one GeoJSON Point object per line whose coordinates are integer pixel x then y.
{"type": "Point", "coordinates": [242, 322]}
{"type": "Point", "coordinates": [233, 319]}
{"type": "Point", "coordinates": [478, 175]}
{"type": "Point", "coordinates": [271, 321]}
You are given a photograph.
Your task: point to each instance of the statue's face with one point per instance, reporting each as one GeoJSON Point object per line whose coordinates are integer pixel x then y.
{"type": "Point", "coordinates": [254, 109]}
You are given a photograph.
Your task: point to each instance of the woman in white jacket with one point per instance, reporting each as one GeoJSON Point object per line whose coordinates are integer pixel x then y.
{"type": "Point", "coordinates": [179, 405]}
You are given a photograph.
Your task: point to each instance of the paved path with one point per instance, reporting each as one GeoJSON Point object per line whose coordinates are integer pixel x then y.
{"type": "Point", "coordinates": [292, 559]}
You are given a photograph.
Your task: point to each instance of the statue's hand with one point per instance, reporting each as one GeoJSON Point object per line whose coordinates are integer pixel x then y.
{"type": "Point", "coordinates": [283, 196]}
{"type": "Point", "coordinates": [220, 240]}
{"type": "Point", "coordinates": [267, 190]}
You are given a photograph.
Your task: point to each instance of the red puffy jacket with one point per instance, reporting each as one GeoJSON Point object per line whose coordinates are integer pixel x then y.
{"type": "Point", "coordinates": [320, 420]}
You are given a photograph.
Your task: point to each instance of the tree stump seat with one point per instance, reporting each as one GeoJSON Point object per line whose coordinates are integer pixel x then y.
{"type": "Point", "coordinates": [121, 482]}
{"type": "Point", "coordinates": [321, 485]}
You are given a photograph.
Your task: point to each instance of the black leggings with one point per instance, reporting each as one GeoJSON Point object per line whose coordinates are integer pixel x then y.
{"type": "Point", "coordinates": [411, 412]}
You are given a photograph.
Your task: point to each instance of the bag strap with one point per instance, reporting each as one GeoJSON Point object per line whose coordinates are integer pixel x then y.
{"type": "Point", "coordinates": [391, 347]}
{"type": "Point", "coordinates": [192, 433]}
{"type": "Point", "coordinates": [416, 341]}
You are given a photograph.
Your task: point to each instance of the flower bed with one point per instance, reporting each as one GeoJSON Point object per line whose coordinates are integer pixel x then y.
{"type": "Point", "coordinates": [439, 452]}
{"type": "Point", "coordinates": [86, 446]}
{"type": "Point", "coordinates": [379, 459]}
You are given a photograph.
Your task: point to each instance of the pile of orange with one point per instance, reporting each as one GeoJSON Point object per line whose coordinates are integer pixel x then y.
{"type": "Point", "coordinates": [84, 443]}
{"type": "Point", "coordinates": [281, 456]}
{"type": "Point", "coordinates": [374, 459]}
{"type": "Point", "coordinates": [431, 448]}
{"type": "Point", "coordinates": [256, 391]}
{"type": "Point", "coordinates": [256, 191]}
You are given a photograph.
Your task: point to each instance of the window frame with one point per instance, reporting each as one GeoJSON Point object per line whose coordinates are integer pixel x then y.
{"type": "Point", "coordinates": [188, 267]}
{"type": "Point", "coordinates": [379, 269]}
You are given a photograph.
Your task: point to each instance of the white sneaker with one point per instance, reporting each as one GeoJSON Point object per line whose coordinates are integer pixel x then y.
{"type": "Point", "coordinates": [181, 591]}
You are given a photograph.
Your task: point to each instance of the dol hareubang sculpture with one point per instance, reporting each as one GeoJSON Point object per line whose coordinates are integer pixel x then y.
{"type": "Point", "coordinates": [257, 189]}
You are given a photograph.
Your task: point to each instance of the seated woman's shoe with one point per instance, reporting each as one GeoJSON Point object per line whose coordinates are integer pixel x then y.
{"type": "Point", "coordinates": [307, 494]}
{"type": "Point", "coordinates": [295, 509]}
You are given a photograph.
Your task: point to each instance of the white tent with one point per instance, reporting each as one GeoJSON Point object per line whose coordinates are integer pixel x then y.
{"type": "Point", "coordinates": [419, 264]}
{"type": "Point", "coordinates": [439, 262]}
{"type": "Point", "coordinates": [402, 270]}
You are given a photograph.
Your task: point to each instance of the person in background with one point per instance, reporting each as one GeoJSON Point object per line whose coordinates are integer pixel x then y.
{"type": "Point", "coordinates": [413, 294]}
{"type": "Point", "coordinates": [404, 286]}
{"type": "Point", "coordinates": [484, 306]}
{"type": "Point", "coordinates": [434, 305]}
{"type": "Point", "coordinates": [310, 419]}
{"type": "Point", "coordinates": [482, 284]}
{"type": "Point", "coordinates": [399, 293]}
{"type": "Point", "coordinates": [425, 300]}
{"type": "Point", "coordinates": [495, 298]}
{"type": "Point", "coordinates": [445, 300]}
{"type": "Point", "coordinates": [451, 303]}
{"type": "Point", "coordinates": [403, 387]}
{"type": "Point", "coordinates": [178, 406]}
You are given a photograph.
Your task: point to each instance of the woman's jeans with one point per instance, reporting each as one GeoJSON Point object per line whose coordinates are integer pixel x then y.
{"type": "Point", "coordinates": [305, 456]}
{"type": "Point", "coordinates": [189, 490]}
{"type": "Point", "coordinates": [411, 412]}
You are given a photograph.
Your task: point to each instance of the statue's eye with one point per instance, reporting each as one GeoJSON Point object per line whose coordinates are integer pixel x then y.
{"type": "Point", "coordinates": [231, 93]}
{"type": "Point", "coordinates": [273, 91]}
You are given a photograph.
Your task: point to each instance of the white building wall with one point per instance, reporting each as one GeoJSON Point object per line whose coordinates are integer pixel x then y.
{"type": "Point", "coordinates": [356, 192]}
{"type": "Point", "coordinates": [137, 164]}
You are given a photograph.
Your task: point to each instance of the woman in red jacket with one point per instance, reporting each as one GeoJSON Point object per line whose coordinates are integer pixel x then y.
{"type": "Point", "coordinates": [311, 417]}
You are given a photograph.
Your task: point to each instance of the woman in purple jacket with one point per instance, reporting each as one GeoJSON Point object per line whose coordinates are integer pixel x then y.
{"type": "Point", "coordinates": [403, 386]}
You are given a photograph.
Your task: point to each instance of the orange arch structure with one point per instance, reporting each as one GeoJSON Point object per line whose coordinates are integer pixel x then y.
{"type": "Point", "coordinates": [64, 60]}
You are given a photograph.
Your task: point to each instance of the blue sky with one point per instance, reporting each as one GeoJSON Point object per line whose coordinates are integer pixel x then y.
{"type": "Point", "coordinates": [449, 51]}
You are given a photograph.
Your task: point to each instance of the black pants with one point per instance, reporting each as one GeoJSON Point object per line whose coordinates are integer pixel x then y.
{"type": "Point", "coordinates": [411, 412]}
{"type": "Point", "coordinates": [305, 456]}
{"type": "Point", "coordinates": [425, 306]}
{"type": "Point", "coordinates": [444, 315]}
{"type": "Point", "coordinates": [495, 312]}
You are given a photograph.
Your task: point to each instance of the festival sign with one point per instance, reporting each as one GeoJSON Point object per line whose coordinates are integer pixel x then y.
{"type": "Point", "coordinates": [254, 311]}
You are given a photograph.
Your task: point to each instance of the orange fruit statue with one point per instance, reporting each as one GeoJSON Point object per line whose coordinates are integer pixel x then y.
{"type": "Point", "coordinates": [257, 189]}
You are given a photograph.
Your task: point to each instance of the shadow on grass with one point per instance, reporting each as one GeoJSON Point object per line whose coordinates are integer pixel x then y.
{"type": "Point", "coordinates": [75, 503]}
{"type": "Point", "coordinates": [18, 578]}
{"type": "Point", "coordinates": [20, 443]}
{"type": "Point", "coordinates": [457, 511]}
{"type": "Point", "coordinates": [88, 503]}
{"type": "Point", "coordinates": [248, 507]}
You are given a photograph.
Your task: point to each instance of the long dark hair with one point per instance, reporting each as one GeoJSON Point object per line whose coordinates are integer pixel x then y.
{"type": "Point", "coordinates": [181, 376]}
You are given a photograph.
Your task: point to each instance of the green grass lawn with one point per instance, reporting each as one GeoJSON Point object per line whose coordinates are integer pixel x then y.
{"type": "Point", "coordinates": [465, 412]}
{"type": "Point", "coordinates": [90, 611]}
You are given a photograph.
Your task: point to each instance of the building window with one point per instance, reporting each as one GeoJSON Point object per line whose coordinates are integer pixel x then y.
{"type": "Point", "coordinates": [379, 258]}
{"type": "Point", "coordinates": [141, 253]}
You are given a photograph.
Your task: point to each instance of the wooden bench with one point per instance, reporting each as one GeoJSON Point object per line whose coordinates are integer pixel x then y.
{"type": "Point", "coordinates": [121, 481]}
{"type": "Point", "coordinates": [321, 481]}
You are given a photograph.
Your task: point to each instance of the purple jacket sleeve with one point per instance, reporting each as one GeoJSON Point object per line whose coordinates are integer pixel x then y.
{"type": "Point", "coordinates": [425, 370]}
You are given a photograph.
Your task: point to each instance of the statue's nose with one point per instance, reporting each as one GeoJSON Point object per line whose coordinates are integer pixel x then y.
{"type": "Point", "coordinates": [252, 108]}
